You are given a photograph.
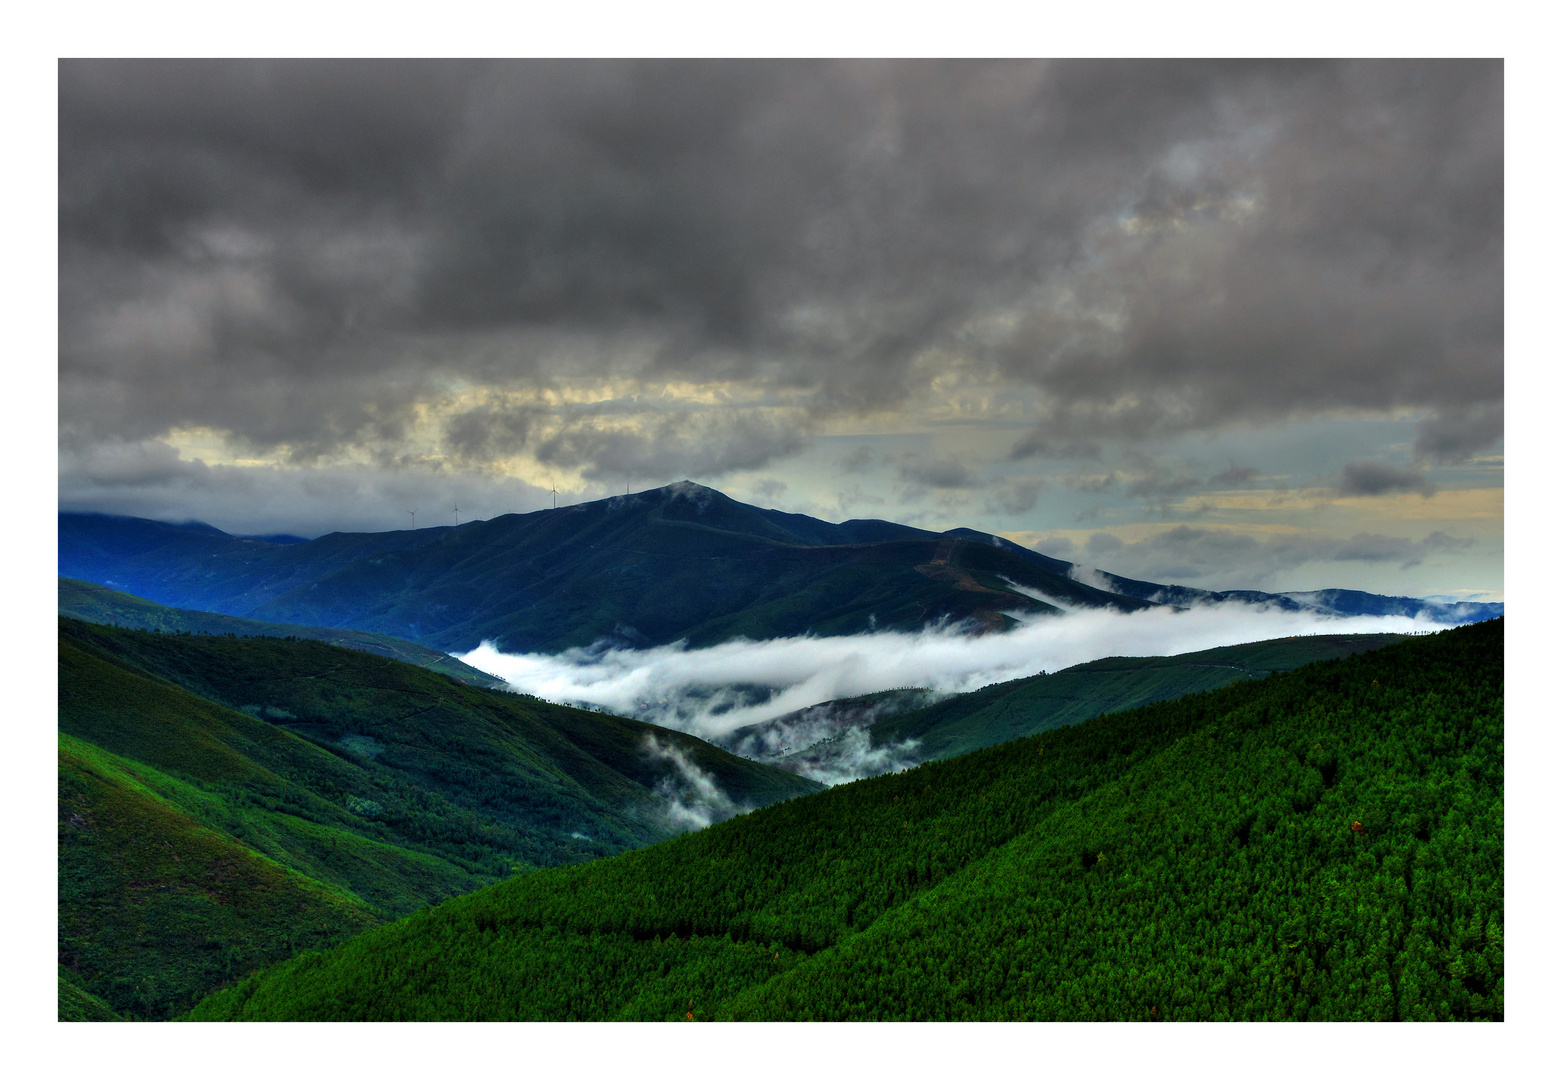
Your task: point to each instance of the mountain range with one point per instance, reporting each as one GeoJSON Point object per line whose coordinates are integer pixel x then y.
{"type": "Point", "coordinates": [681, 562]}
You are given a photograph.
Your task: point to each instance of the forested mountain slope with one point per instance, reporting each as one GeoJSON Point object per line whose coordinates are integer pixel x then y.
{"type": "Point", "coordinates": [228, 802]}
{"type": "Point", "coordinates": [101, 604]}
{"type": "Point", "coordinates": [681, 562]}
{"type": "Point", "coordinates": [1324, 844]}
{"type": "Point", "coordinates": [892, 729]}
{"type": "Point", "coordinates": [1043, 702]}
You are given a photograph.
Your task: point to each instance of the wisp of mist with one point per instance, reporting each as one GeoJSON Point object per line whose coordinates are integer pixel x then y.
{"type": "Point", "coordinates": [713, 691]}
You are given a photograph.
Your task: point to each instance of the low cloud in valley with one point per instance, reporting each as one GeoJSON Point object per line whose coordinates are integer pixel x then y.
{"type": "Point", "coordinates": [713, 692]}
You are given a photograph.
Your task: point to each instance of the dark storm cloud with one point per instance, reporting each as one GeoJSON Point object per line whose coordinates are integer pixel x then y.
{"type": "Point", "coordinates": [1376, 478]}
{"type": "Point", "coordinates": [1340, 214]}
{"type": "Point", "coordinates": [1457, 433]}
{"type": "Point", "coordinates": [152, 148]}
{"type": "Point", "coordinates": [489, 432]}
{"type": "Point", "coordinates": [300, 253]}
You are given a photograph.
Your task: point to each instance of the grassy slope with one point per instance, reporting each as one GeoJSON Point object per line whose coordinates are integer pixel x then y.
{"type": "Point", "coordinates": [100, 604]}
{"type": "Point", "coordinates": [1040, 703]}
{"type": "Point", "coordinates": [537, 765]}
{"type": "Point", "coordinates": [1193, 859]}
{"type": "Point", "coordinates": [156, 908]}
{"type": "Point", "coordinates": [396, 788]}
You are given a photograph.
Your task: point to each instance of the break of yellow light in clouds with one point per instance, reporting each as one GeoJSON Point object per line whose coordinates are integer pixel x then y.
{"type": "Point", "coordinates": [958, 391]}
{"type": "Point", "coordinates": [595, 390]}
{"type": "Point", "coordinates": [423, 436]}
{"type": "Point", "coordinates": [1461, 504]}
{"type": "Point", "coordinates": [986, 411]}
{"type": "Point", "coordinates": [210, 446]}
{"type": "Point", "coordinates": [957, 402]}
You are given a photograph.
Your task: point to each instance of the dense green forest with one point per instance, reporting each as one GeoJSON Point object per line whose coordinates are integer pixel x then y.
{"type": "Point", "coordinates": [1038, 703]}
{"type": "Point", "coordinates": [227, 802]}
{"type": "Point", "coordinates": [1325, 844]}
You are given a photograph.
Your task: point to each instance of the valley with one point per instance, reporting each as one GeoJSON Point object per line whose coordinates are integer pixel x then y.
{"type": "Point", "coordinates": [1324, 844]}
{"type": "Point", "coordinates": [833, 739]}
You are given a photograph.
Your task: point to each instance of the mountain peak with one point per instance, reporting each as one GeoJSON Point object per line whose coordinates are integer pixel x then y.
{"type": "Point", "coordinates": [688, 489]}
{"type": "Point", "coordinates": [702, 497]}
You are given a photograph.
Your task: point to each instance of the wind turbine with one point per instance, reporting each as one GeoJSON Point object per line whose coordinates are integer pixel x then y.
{"type": "Point", "coordinates": [414, 514]}
{"type": "Point", "coordinates": [456, 510]}
{"type": "Point", "coordinates": [555, 496]}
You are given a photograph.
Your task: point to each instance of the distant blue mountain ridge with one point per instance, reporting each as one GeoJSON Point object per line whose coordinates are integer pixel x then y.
{"type": "Point", "coordinates": [681, 562]}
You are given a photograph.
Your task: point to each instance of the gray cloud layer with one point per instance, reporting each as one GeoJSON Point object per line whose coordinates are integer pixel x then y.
{"type": "Point", "coordinates": [302, 254]}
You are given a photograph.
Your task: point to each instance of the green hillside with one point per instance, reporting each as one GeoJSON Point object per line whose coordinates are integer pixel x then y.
{"type": "Point", "coordinates": [77, 1005]}
{"type": "Point", "coordinates": [100, 604]}
{"type": "Point", "coordinates": [1325, 844]}
{"type": "Point", "coordinates": [1040, 703]}
{"type": "Point", "coordinates": [229, 802]}
{"type": "Point", "coordinates": [157, 908]}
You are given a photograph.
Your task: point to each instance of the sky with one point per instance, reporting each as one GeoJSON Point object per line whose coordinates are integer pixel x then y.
{"type": "Point", "coordinates": [1223, 324]}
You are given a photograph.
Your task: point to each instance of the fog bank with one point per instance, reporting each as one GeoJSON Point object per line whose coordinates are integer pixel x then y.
{"type": "Point", "coordinates": [712, 692]}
